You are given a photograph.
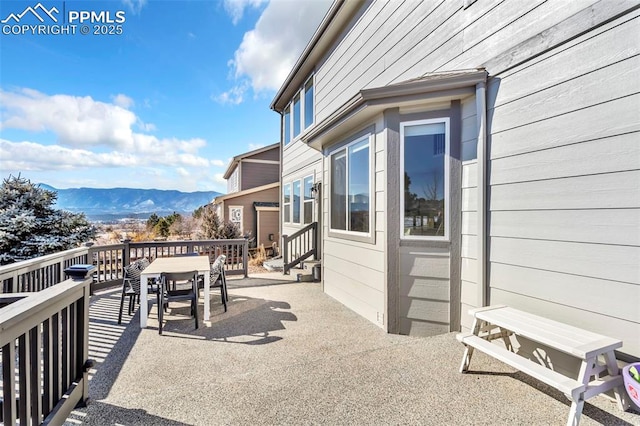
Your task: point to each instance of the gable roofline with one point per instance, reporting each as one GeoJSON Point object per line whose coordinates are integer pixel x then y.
{"type": "Point", "coordinates": [334, 21]}
{"type": "Point", "coordinates": [221, 198]}
{"type": "Point", "coordinates": [236, 160]}
{"type": "Point", "coordinates": [368, 102]}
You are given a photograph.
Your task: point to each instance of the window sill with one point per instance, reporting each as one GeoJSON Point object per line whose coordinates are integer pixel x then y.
{"type": "Point", "coordinates": [353, 236]}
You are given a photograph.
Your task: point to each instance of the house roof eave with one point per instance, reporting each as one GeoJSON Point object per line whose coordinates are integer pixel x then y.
{"type": "Point", "coordinates": [219, 199]}
{"type": "Point", "coordinates": [336, 18]}
{"type": "Point", "coordinates": [369, 102]}
{"type": "Point", "coordinates": [235, 160]}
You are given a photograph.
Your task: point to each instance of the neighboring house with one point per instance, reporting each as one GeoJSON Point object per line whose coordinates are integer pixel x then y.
{"type": "Point", "coordinates": [253, 185]}
{"type": "Point", "coordinates": [471, 153]}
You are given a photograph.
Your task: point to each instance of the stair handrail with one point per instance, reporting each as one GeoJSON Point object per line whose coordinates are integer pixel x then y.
{"type": "Point", "coordinates": [297, 239]}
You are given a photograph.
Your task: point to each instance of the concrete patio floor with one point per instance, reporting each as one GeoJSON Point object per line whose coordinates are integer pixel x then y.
{"type": "Point", "coordinates": [287, 354]}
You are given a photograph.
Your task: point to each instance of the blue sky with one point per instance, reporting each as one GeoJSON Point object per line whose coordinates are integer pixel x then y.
{"type": "Point", "coordinates": [165, 104]}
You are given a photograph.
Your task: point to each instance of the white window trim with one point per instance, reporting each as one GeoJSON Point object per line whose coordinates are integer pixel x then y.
{"type": "Point", "coordinates": [300, 196]}
{"type": "Point", "coordinates": [301, 92]}
{"type": "Point", "coordinates": [313, 101]}
{"type": "Point", "coordinates": [347, 233]}
{"type": "Point", "coordinates": [286, 206]}
{"type": "Point", "coordinates": [299, 96]}
{"type": "Point", "coordinates": [284, 113]}
{"type": "Point", "coordinates": [241, 208]}
{"type": "Point", "coordinates": [447, 204]}
{"type": "Point", "coordinates": [305, 202]}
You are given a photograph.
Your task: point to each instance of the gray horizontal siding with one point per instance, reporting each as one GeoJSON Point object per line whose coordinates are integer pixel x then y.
{"type": "Point", "coordinates": [258, 174]}
{"type": "Point", "coordinates": [424, 293]}
{"type": "Point", "coordinates": [248, 211]}
{"type": "Point", "coordinates": [297, 157]}
{"type": "Point", "coordinates": [564, 218]}
{"type": "Point", "coordinates": [354, 272]}
{"type": "Point", "coordinates": [394, 41]}
{"type": "Point", "coordinates": [564, 180]}
{"type": "Point", "coordinates": [271, 154]}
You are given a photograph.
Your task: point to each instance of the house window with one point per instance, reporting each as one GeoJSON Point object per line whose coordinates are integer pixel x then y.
{"type": "Point", "coordinates": [350, 188]}
{"type": "Point", "coordinates": [235, 216]}
{"type": "Point", "coordinates": [287, 126]}
{"type": "Point", "coordinates": [307, 204]}
{"type": "Point", "coordinates": [308, 103]}
{"type": "Point", "coordinates": [286, 202]}
{"type": "Point", "coordinates": [296, 115]}
{"type": "Point", "coordinates": [424, 192]}
{"type": "Point", "coordinates": [299, 114]}
{"type": "Point", "coordinates": [296, 201]}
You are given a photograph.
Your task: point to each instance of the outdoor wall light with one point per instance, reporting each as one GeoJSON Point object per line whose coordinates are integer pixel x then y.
{"type": "Point", "coordinates": [315, 190]}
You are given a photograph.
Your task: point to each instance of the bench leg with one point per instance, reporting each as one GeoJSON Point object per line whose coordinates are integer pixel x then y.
{"type": "Point", "coordinates": [468, 350]}
{"type": "Point", "coordinates": [575, 412]}
{"type": "Point", "coordinates": [619, 392]}
{"type": "Point", "coordinates": [577, 398]}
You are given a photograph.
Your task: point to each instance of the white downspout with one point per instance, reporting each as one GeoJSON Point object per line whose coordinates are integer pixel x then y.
{"type": "Point", "coordinates": [481, 114]}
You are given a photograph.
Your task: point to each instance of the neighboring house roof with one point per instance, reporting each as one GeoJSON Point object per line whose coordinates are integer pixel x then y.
{"type": "Point", "coordinates": [222, 198]}
{"type": "Point", "coordinates": [330, 28]}
{"type": "Point", "coordinates": [368, 102]}
{"type": "Point", "coordinates": [235, 160]}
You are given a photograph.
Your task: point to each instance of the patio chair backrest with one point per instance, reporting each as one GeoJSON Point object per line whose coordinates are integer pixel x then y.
{"type": "Point", "coordinates": [217, 267]}
{"type": "Point", "coordinates": [132, 273]}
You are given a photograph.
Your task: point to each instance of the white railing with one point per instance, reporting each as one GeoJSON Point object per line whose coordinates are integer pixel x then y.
{"type": "Point", "coordinates": [41, 272]}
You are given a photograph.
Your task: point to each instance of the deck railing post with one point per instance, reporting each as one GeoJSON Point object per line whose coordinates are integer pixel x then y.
{"type": "Point", "coordinates": [83, 361]}
{"type": "Point", "coordinates": [126, 252]}
{"type": "Point", "coordinates": [285, 253]}
{"type": "Point", "coordinates": [245, 257]}
{"type": "Point", "coordinates": [314, 239]}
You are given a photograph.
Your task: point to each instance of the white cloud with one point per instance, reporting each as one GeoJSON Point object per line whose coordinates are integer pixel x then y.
{"type": "Point", "coordinates": [146, 127]}
{"type": "Point", "coordinates": [31, 156]}
{"type": "Point", "coordinates": [135, 6]}
{"type": "Point", "coordinates": [253, 146]}
{"type": "Point", "coordinates": [123, 101]}
{"type": "Point", "coordinates": [94, 138]}
{"type": "Point", "coordinates": [268, 52]}
{"type": "Point", "coordinates": [77, 121]}
{"type": "Point", "coordinates": [219, 178]}
{"type": "Point", "coordinates": [235, 8]}
{"type": "Point", "coordinates": [233, 96]}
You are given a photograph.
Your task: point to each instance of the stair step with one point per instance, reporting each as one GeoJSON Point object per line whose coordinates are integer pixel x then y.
{"type": "Point", "coordinates": [304, 277]}
{"type": "Point", "coordinates": [309, 264]}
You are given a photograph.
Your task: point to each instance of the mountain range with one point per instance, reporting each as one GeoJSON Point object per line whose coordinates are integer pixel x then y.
{"type": "Point", "coordinates": [117, 203]}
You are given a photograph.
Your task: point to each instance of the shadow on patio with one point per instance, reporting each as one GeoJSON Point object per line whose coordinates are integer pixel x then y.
{"type": "Point", "coordinates": [302, 358]}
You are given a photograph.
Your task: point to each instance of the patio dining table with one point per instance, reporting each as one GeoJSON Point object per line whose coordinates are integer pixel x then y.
{"type": "Point", "coordinates": [171, 265]}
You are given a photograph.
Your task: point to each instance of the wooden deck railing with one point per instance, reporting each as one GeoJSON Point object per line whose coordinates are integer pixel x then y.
{"type": "Point", "coordinates": [44, 321]}
{"type": "Point", "coordinates": [299, 246]}
{"type": "Point", "coordinates": [44, 342]}
{"type": "Point", "coordinates": [45, 271]}
{"type": "Point", "coordinates": [40, 273]}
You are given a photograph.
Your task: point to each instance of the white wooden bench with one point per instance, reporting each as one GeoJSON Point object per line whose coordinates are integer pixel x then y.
{"type": "Point", "coordinates": [598, 372]}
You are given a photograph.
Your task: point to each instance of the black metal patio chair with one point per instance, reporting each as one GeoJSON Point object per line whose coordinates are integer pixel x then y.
{"type": "Point", "coordinates": [217, 279]}
{"type": "Point", "coordinates": [131, 285]}
{"type": "Point", "coordinates": [166, 294]}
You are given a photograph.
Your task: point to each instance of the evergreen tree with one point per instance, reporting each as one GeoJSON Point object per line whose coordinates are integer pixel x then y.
{"type": "Point", "coordinates": [31, 227]}
{"type": "Point", "coordinates": [152, 221]}
{"type": "Point", "coordinates": [229, 231]}
{"type": "Point", "coordinates": [211, 223]}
